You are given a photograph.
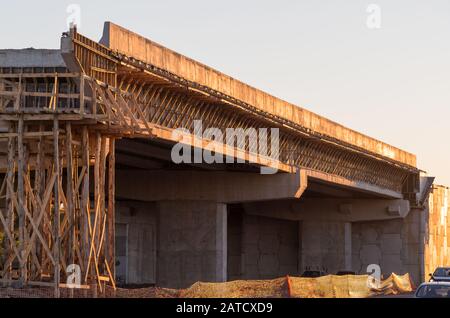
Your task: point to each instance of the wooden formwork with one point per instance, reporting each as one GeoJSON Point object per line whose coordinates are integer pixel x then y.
{"type": "Point", "coordinates": [50, 218]}
{"type": "Point", "coordinates": [57, 186]}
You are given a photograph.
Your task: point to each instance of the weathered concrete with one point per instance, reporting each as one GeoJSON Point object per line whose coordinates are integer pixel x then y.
{"type": "Point", "coordinates": [348, 246]}
{"type": "Point", "coordinates": [323, 246]}
{"type": "Point", "coordinates": [226, 187]}
{"type": "Point", "coordinates": [326, 209]}
{"type": "Point", "coordinates": [269, 248]}
{"type": "Point", "coordinates": [392, 244]}
{"type": "Point", "coordinates": [171, 244]}
{"type": "Point", "coordinates": [175, 243]}
{"type": "Point", "coordinates": [129, 43]}
{"type": "Point", "coordinates": [136, 246]}
{"type": "Point", "coordinates": [191, 243]}
{"type": "Point", "coordinates": [354, 185]}
{"type": "Point", "coordinates": [31, 58]}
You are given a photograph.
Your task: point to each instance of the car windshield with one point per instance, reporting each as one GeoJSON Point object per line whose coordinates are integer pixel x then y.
{"type": "Point", "coordinates": [434, 291]}
{"type": "Point", "coordinates": [441, 272]}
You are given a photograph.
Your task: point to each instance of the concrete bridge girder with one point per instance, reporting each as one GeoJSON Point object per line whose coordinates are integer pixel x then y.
{"type": "Point", "coordinates": [224, 187]}
{"type": "Point", "coordinates": [330, 209]}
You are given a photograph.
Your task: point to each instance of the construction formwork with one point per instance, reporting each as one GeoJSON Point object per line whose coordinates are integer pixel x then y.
{"type": "Point", "coordinates": [57, 184]}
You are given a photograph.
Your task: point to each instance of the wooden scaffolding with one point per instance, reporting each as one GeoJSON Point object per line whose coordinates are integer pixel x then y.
{"type": "Point", "coordinates": [57, 188]}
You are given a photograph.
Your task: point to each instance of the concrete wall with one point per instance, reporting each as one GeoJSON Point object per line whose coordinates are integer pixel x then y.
{"type": "Point", "coordinates": [339, 235]}
{"type": "Point", "coordinates": [171, 244]}
{"type": "Point", "coordinates": [416, 245]}
{"type": "Point", "coordinates": [394, 245]}
{"type": "Point", "coordinates": [138, 241]}
{"type": "Point", "coordinates": [235, 233]}
{"type": "Point", "coordinates": [31, 58]}
{"type": "Point", "coordinates": [270, 247]}
{"type": "Point", "coordinates": [261, 247]}
{"type": "Point", "coordinates": [192, 243]}
{"type": "Point", "coordinates": [323, 246]}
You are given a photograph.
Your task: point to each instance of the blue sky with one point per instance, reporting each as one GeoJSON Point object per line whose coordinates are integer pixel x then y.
{"type": "Point", "coordinates": [391, 83]}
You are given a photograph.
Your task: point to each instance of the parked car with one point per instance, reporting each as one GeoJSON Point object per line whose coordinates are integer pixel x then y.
{"type": "Point", "coordinates": [433, 290]}
{"type": "Point", "coordinates": [441, 274]}
{"type": "Point", "coordinates": [313, 274]}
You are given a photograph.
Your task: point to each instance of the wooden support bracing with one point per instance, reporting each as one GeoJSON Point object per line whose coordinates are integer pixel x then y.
{"type": "Point", "coordinates": [50, 219]}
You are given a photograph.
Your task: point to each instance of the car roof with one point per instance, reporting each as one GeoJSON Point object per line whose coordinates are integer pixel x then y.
{"type": "Point", "coordinates": [442, 268]}
{"type": "Point", "coordinates": [435, 284]}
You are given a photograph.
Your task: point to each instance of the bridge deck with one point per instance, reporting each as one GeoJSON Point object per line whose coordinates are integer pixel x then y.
{"type": "Point", "coordinates": [133, 45]}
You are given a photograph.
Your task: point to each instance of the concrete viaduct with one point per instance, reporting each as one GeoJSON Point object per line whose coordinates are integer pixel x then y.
{"type": "Point", "coordinates": [87, 176]}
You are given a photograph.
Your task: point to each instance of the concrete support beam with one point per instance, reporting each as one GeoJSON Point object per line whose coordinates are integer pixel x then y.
{"type": "Point", "coordinates": [353, 185]}
{"type": "Point", "coordinates": [226, 187]}
{"type": "Point", "coordinates": [324, 209]}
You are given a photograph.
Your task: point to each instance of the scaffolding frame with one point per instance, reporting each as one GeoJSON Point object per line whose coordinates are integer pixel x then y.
{"type": "Point", "coordinates": [54, 156]}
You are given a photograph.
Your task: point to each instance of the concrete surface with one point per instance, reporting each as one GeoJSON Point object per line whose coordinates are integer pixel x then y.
{"type": "Point", "coordinates": [131, 44]}
{"type": "Point", "coordinates": [31, 58]}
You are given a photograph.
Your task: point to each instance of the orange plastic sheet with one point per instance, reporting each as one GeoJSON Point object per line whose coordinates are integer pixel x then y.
{"type": "Point", "coordinates": [350, 286]}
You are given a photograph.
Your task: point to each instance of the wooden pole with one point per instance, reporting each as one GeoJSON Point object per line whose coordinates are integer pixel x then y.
{"type": "Point", "coordinates": [96, 226]}
{"type": "Point", "coordinates": [69, 192]}
{"type": "Point", "coordinates": [9, 204]}
{"type": "Point", "coordinates": [85, 205]}
{"type": "Point", "coordinates": [19, 95]}
{"type": "Point", "coordinates": [40, 184]}
{"type": "Point", "coordinates": [111, 207]}
{"type": "Point", "coordinates": [21, 199]}
{"type": "Point", "coordinates": [56, 219]}
{"type": "Point", "coordinates": [98, 147]}
{"type": "Point", "coordinates": [103, 214]}
{"type": "Point", "coordinates": [82, 83]}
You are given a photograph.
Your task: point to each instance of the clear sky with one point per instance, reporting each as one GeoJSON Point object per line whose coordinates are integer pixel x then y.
{"type": "Point", "coordinates": [391, 83]}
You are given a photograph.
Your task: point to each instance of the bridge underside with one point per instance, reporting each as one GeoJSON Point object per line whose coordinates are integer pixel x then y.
{"type": "Point", "coordinates": [87, 178]}
{"type": "Point", "coordinates": [178, 224]}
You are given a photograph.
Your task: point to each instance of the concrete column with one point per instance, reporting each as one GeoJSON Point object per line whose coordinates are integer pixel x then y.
{"type": "Point", "coordinates": [348, 245]}
{"type": "Point", "coordinates": [221, 243]}
{"type": "Point", "coordinates": [192, 243]}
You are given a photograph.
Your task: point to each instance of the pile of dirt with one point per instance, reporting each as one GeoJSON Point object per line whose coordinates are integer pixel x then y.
{"type": "Point", "coordinates": [276, 288]}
